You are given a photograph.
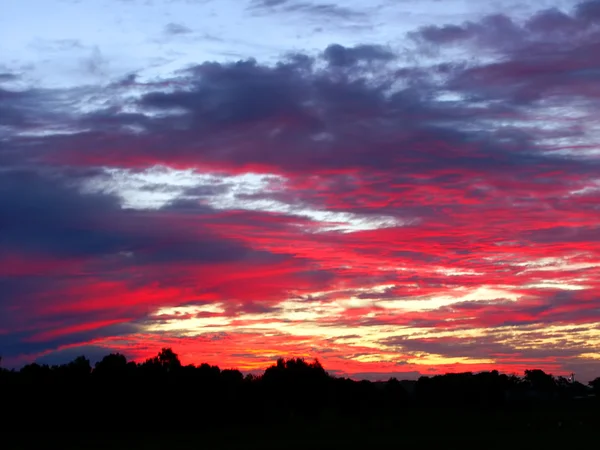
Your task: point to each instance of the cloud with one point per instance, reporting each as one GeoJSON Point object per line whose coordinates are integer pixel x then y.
{"type": "Point", "coordinates": [557, 351]}
{"type": "Point", "coordinates": [542, 58]}
{"type": "Point", "coordinates": [338, 55]}
{"type": "Point", "coordinates": [30, 200]}
{"type": "Point", "coordinates": [96, 64]}
{"type": "Point", "coordinates": [76, 265]}
{"type": "Point", "coordinates": [588, 11]}
{"type": "Point", "coordinates": [176, 28]}
{"type": "Point", "coordinates": [293, 118]}
{"type": "Point", "coordinates": [324, 10]}
{"type": "Point", "coordinates": [486, 33]}
{"type": "Point", "coordinates": [8, 76]}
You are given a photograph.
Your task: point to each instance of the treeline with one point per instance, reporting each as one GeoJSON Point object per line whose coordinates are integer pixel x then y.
{"type": "Point", "coordinates": [162, 392]}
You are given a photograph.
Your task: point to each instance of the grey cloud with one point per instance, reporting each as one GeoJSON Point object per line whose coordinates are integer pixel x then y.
{"type": "Point", "coordinates": [496, 30]}
{"type": "Point", "coordinates": [7, 76]}
{"type": "Point", "coordinates": [384, 376]}
{"type": "Point", "coordinates": [44, 215]}
{"type": "Point", "coordinates": [96, 64]}
{"type": "Point", "coordinates": [588, 11]}
{"type": "Point", "coordinates": [545, 58]}
{"type": "Point", "coordinates": [484, 347]}
{"type": "Point", "coordinates": [444, 34]}
{"type": "Point", "coordinates": [338, 55]}
{"type": "Point", "coordinates": [176, 29]}
{"type": "Point", "coordinates": [325, 10]}
{"type": "Point", "coordinates": [250, 308]}
{"type": "Point", "coordinates": [248, 92]}
{"type": "Point", "coordinates": [551, 21]}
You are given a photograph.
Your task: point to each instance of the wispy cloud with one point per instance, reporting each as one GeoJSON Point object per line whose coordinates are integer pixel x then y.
{"type": "Point", "coordinates": [173, 28]}
{"type": "Point", "coordinates": [324, 10]}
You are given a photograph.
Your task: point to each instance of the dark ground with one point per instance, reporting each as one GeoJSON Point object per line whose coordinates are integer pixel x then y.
{"type": "Point", "coordinates": [160, 404]}
{"type": "Point", "coordinates": [345, 438]}
{"type": "Point", "coordinates": [427, 429]}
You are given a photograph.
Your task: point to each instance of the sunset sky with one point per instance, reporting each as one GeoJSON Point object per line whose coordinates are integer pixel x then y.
{"type": "Point", "coordinates": [395, 187]}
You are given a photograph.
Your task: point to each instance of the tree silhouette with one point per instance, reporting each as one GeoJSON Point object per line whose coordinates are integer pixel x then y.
{"type": "Point", "coordinates": [595, 385]}
{"type": "Point", "coordinates": [168, 359]}
{"type": "Point", "coordinates": [539, 380]}
{"type": "Point", "coordinates": [113, 365]}
{"type": "Point", "coordinates": [161, 393]}
{"type": "Point", "coordinates": [80, 367]}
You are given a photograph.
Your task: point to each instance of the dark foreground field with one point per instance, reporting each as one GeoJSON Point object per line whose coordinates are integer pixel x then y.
{"type": "Point", "coordinates": [314, 438]}
{"type": "Point", "coordinates": [160, 404]}
{"type": "Point", "coordinates": [427, 429]}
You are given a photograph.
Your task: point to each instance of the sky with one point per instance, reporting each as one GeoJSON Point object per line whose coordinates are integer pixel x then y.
{"type": "Point", "coordinates": [397, 188]}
